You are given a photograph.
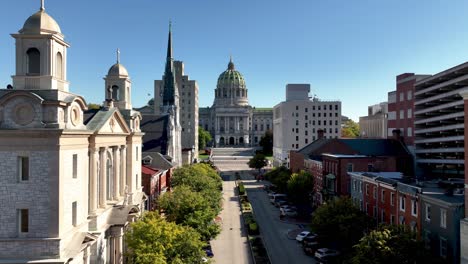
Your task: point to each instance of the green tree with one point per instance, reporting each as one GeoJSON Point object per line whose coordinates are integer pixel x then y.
{"type": "Point", "coordinates": [203, 138]}
{"type": "Point", "coordinates": [279, 176]}
{"type": "Point", "coordinates": [340, 223]}
{"type": "Point", "coordinates": [350, 129]}
{"type": "Point", "coordinates": [300, 185]}
{"type": "Point", "coordinates": [152, 240]}
{"type": "Point", "coordinates": [94, 106]}
{"type": "Point", "coordinates": [266, 142]}
{"type": "Point", "coordinates": [186, 207]}
{"type": "Point", "coordinates": [257, 162]}
{"type": "Point", "coordinates": [389, 244]}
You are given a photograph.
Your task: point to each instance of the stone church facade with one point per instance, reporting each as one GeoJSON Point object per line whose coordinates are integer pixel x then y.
{"type": "Point", "coordinates": [70, 178]}
{"type": "Point", "coordinates": [231, 120]}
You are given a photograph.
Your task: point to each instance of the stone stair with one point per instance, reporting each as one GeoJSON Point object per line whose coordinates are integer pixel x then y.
{"type": "Point", "coordinates": [231, 154]}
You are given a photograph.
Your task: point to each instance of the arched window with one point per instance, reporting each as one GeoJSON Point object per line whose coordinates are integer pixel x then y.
{"type": "Point", "coordinates": [59, 66]}
{"type": "Point", "coordinates": [34, 61]}
{"type": "Point", "coordinates": [115, 93]}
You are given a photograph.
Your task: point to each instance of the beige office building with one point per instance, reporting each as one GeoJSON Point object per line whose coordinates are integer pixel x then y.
{"type": "Point", "coordinates": [297, 120]}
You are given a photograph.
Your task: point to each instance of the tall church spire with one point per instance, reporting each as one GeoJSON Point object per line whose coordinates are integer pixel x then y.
{"type": "Point", "coordinates": [169, 76]}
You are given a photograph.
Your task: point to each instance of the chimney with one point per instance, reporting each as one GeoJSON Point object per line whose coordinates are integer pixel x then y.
{"type": "Point", "coordinates": [320, 133]}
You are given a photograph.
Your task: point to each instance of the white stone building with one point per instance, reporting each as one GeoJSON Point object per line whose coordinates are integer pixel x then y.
{"type": "Point", "coordinates": [231, 120]}
{"type": "Point", "coordinates": [374, 125]}
{"type": "Point", "coordinates": [297, 120]}
{"type": "Point", "coordinates": [70, 178]}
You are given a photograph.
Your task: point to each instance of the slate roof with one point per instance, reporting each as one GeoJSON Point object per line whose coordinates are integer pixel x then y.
{"type": "Point", "coordinates": [156, 134]}
{"type": "Point", "coordinates": [99, 118]}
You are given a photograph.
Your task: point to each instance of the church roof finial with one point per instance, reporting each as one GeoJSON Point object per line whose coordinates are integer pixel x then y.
{"type": "Point", "coordinates": [118, 55]}
{"type": "Point", "coordinates": [42, 5]}
{"type": "Point", "coordinates": [231, 64]}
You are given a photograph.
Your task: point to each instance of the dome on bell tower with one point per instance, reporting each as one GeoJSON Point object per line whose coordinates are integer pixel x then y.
{"type": "Point", "coordinates": [40, 23]}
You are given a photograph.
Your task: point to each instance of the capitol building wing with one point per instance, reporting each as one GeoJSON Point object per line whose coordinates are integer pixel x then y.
{"type": "Point", "coordinates": [231, 120]}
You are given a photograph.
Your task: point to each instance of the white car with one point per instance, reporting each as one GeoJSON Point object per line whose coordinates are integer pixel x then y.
{"type": "Point", "coordinates": [288, 212]}
{"type": "Point", "coordinates": [301, 235]}
{"type": "Point", "coordinates": [325, 254]}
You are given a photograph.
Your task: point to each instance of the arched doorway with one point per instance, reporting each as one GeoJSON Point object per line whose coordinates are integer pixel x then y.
{"type": "Point", "coordinates": [221, 141]}
{"type": "Point", "coordinates": [231, 141]}
{"type": "Point", "coordinates": [241, 141]}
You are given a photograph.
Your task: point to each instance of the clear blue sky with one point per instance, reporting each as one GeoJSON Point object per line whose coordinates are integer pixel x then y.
{"type": "Point", "coordinates": [346, 50]}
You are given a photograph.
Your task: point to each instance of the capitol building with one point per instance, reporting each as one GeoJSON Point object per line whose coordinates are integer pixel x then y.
{"type": "Point", "coordinates": [231, 120]}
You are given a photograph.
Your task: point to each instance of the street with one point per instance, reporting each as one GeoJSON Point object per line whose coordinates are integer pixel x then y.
{"type": "Point", "coordinates": [231, 245]}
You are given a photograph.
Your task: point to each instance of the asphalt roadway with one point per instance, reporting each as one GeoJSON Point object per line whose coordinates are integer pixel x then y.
{"type": "Point", "coordinates": [231, 246]}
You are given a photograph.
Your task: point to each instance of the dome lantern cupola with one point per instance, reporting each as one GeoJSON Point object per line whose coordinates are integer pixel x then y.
{"type": "Point", "coordinates": [118, 85]}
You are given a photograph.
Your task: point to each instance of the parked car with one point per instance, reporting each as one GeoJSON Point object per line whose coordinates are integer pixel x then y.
{"type": "Point", "coordinates": [288, 206]}
{"type": "Point", "coordinates": [310, 238]}
{"type": "Point", "coordinates": [277, 196]}
{"type": "Point", "coordinates": [326, 254]}
{"type": "Point", "coordinates": [301, 235]}
{"type": "Point", "coordinates": [288, 212]}
{"type": "Point", "coordinates": [208, 251]}
{"type": "Point", "coordinates": [280, 202]}
{"type": "Point", "coordinates": [310, 247]}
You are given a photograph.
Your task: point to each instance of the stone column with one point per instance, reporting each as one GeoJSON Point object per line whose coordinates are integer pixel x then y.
{"type": "Point", "coordinates": [123, 169]}
{"type": "Point", "coordinates": [116, 189]}
{"type": "Point", "coordinates": [103, 177]}
{"type": "Point", "coordinates": [93, 178]}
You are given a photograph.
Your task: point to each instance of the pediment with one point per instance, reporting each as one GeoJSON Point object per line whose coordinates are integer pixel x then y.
{"type": "Point", "coordinates": [114, 124]}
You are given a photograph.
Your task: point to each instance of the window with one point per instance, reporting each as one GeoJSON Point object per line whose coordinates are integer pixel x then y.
{"type": "Point", "coordinates": [409, 130]}
{"type": "Point", "coordinates": [34, 61]}
{"type": "Point", "coordinates": [414, 207]}
{"type": "Point", "coordinates": [297, 122]}
{"type": "Point", "coordinates": [428, 212]}
{"type": "Point", "coordinates": [23, 220]}
{"type": "Point", "coordinates": [115, 92]}
{"type": "Point", "coordinates": [297, 130]}
{"type": "Point", "coordinates": [408, 95]}
{"type": "Point", "coordinates": [306, 125]}
{"type": "Point", "coordinates": [74, 211]}
{"type": "Point", "coordinates": [375, 193]}
{"type": "Point", "coordinates": [375, 212]}
{"type": "Point", "coordinates": [402, 203]}
{"type": "Point", "coordinates": [367, 207]}
{"type": "Point", "coordinates": [382, 215]}
{"type": "Point", "coordinates": [360, 187]}
{"type": "Point", "coordinates": [336, 108]}
{"type": "Point", "coordinates": [305, 109]}
{"type": "Point", "coordinates": [75, 165]}
{"type": "Point", "coordinates": [443, 247]}
{"type": "Point", "coordinates": [367, 189]}
{"type": "Point", "coordinates": [409, 113]}
{"type": "Point", "coordinates": [443, 218]}
{"type": "Point", "coordinates": [297, 146]}
{"type": "Point", "coordinates": [392, 219]}
{"type": "Point", "coordinates": [297, 138]}
{"type": "Point", "coordinates": [349, 167]}
{"type": "Point", "coordinates": [319, 114]}
{"type": "Point", "coordinates": [23, 168]}
{"type": "Point", "coordinates": [297, 107]}
{"type": "Point", "coordinates": [306, 117]}
{"type": "Point", "coordinates": [136, 155]}
{"type": "Point", "coordinates": [402, 97]}
{"type": "Point", "coordinates": [306, 133]}
{"type": "Point", "coordinates": [402, 114]}
{"type": "Point", "coordinates": [59, 65]}
{"type": "Point", "coordinates": [382, 196]}
{"type": "Point", "coordinates": [370, 167]}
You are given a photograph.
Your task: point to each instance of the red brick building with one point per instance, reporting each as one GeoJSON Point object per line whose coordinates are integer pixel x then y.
{"type": "Point", "coordinates": [336, 157]}
{"type": "Point", "coordinates": [155, 182]}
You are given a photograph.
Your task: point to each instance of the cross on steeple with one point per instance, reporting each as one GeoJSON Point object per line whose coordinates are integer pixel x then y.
{"type": "Point", "coordinates": [42, 5]}
{"type": "Point", "coordinates": [118, 55]}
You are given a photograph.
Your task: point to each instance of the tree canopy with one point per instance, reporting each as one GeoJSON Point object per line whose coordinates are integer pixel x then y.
{"type": "Point", "coordinates": [258, 161]}
{"type": "Point", "coordinates": [350, 129]}
{"type": "Point", "coordinates": [152, 240]}
{"type": "Point", "coordinates": [266, 142]}
{"type": "Point", "coordinates": [279, 176]}
{"type": "Point", "coordinates": [389, 244]}
{"type": "Point", "coordinates": [94, 106]}
{"type": "Point", "coordinates": [300, 185]}
{"type": "Point", "coordinates": [340, 223]}
{"type": "Point", "coordinates": [203, 138]}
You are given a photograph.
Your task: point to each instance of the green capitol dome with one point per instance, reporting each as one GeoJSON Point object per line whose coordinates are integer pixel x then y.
{"type": "Point", "coordinates": [231, 77]}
